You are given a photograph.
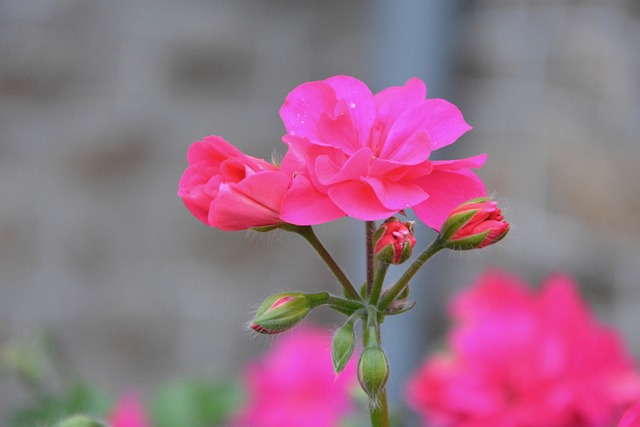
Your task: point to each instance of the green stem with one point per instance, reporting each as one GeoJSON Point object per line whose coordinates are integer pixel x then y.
{"type": "Point", "coordinates": [370, 230]}
{"type": "Point", "coordinates": [344, 306]}
{"type": "Point", "coordinates": [379, 413]}
{"type": "Point", "coordinates": [378, 410]}
{"type": "Point", "coordinates": [401, 284]}
{"type": "Point", "coordinates": [377, 283]}
{"type": "Point", "coordinates": [310, 236]}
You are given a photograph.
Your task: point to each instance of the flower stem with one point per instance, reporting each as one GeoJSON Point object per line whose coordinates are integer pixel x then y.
{"type": "Point", "coordinates": [378, 409]}
{"type": "Point", "coordinates": [377, 283]}
{"type": "Point", "coordinates": [401, 284]}
{"type": "Point", "coordinates": [370, 229]}
{"type": "Point", "coordinates": [344, 306]}
{"type": "Point", "coordinates": [310, 236]}
{"type": "Point", "coordinates": [379, 412]}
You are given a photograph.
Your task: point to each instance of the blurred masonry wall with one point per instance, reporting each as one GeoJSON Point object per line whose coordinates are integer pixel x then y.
{"type": "Point", "coordinates": [100, 100]}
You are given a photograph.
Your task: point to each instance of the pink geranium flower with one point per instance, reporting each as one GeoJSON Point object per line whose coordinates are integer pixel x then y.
{"type": "Point", "coordinates": [294, 385]}
{"type": "Point", "coordinates": [367, 156]}
{"type": "Point", "coordinates": [129, 411]}
{"type": "Point", "coordinates": [525, 359]}
{"type": "Point", "coordinates": [228, 189]}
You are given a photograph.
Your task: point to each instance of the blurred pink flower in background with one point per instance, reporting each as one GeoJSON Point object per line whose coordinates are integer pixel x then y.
{"type": "Point", "coordinates": [367, 156]}
{"type": "Point", "coordinates": [294, 384]}
{"type": "Point", "coordinates": [520, 358]}
{"type": "Point", "coordinates": [228, 189]}
{"type": "Point", "coordinates": [631, 418]}
{"type": "Point", "coordinates": [129, 411]}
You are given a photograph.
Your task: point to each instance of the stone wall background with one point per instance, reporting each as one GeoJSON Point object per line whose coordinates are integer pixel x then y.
{"type": "Point", "coordinates": [100, 100]}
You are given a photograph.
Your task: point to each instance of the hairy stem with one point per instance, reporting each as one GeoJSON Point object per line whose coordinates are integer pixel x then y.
{"type": "Point", "coordinates": [344, 306]}
{"type": "Point", "coordinates": [402, 283]}
{"type": "Point", "coordinates": [370, 229]}
{"type": "Point", "coordinates": [378, 409]}
{"type": "Point", "coordinates": [378, 282]}
{"type": "Point", "coordinates": [379, 412]}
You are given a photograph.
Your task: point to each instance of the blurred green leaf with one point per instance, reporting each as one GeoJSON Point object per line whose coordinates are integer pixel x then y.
{"type": "Point", "coordinates": [47, 410]}
{"type": "Point", "coordinates": [27, 358]}
{"type": "Point", "coordinates": [79, 421]}
{"type": "Point", "coordinates": [194, 403]}
{"type": "Point", "coordinates": [82, 398]}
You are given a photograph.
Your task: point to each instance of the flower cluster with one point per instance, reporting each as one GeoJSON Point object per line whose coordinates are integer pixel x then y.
{"type": "Point", "coordinates": [350, 153]}
{"type": "Point", "coordinates": [356, 154]}
{"type": "Point", "coordinates": [526, 359]}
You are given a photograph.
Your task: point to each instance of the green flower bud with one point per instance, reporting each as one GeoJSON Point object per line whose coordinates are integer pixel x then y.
{"type": "Point", "coordinates": [373, 370]}
{"type": "Point", "coordinates": [79, 421]}
{"type": "Point", "coordinates": [344, 342]}
{"type": "Point", "coordinates": [373, 367]}
{"type": "Point", "coordinates": [283, 311]}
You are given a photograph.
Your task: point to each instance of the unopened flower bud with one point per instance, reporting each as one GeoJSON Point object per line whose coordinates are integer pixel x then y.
{"type": "Point", "coordinates": [373, 367]}
{"type": "Point", "coordinates": [373, 370]}
{"type": "Point", "coordinates": [394, 241]}
{"type": "Point", "coordinates": [474, 224]}
{"type": "Point", "coordinates": [79, 421]}
{"type": "Point", "coordinates": [283, 311]}
{"type": "Point", "coordinates": [344, 342]}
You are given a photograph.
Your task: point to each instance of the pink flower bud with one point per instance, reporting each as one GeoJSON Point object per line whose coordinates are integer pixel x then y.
{"type": "Point", "coordinates": [394, 241]}
{"type": "Point", "coordinates": [474, 224]}
{"type": "Point", "coordinates": [283, 311]}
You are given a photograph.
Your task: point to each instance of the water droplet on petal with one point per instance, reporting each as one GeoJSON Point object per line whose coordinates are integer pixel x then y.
{"type": "Point", "coordinates": [352, 105]}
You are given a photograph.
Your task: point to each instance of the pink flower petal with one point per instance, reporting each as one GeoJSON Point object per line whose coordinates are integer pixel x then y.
{"type": "Point", "coordinates": [253, 202]}
{"type": "Point", "coordinates": [358, 200]}
{"type": "Point", "coordinates": [397, 195]}
{"type": "Point", "coordinates": [192, 191]}
{"type": "Point", "coordinates": [359, 100]}
{"type": "Point", "coordinates": [391, 102]}
{"type": "Point", "coordinates": [212, 148]}
{"type": "Point", "coordinates": [445, 122]}
{"type": "Point", "coordinates": [440, 118]}
{"type": "Point", "coordinates": [466, 163]}
{"type": "Point", "coordinates": [328, 172]}
{"type": "Point", "coordinates": [337, 131]}
{"type": "Point", "coordinates": [394, 171]}
{"type": "Point", "coordinates": [446, 191]}
{"type": "Point", "coordinates": [410, 151]}
{"type": "Point", "coordinates": [303, 204]}
{"type": "Point", "coordinates": [305, 105]}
